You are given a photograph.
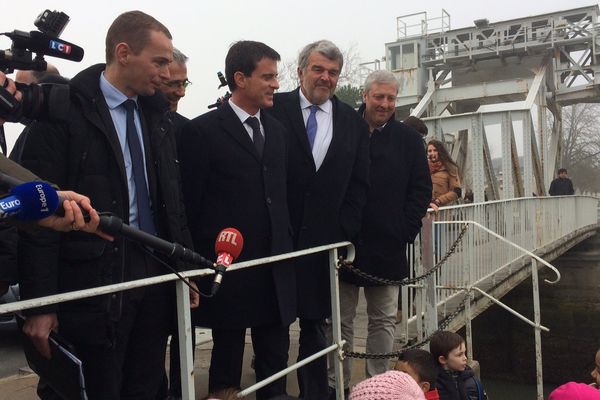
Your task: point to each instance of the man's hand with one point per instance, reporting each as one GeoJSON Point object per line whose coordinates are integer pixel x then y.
{"type": "Point", "coordinates": [73, 218]}
{"type": "Point", "coordinates": [194, 296]}
{"type": "Point", "coordinates": [434, 206]}
{"type": "Point", "coordinates": [38, 328]}
{"type": "Point", "coordinates": [9, 85]}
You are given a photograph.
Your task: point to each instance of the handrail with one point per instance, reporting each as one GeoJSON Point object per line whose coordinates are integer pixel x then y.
{"type": "Point", "coordinates": [491, 232]}
{"type": "Point", "coordinates": [117, 287]}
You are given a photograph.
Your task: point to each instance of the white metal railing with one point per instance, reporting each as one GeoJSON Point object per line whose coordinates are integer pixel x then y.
{"type": "Point", "coordinates": [183, 314]}
{"type": "Point", "coordinates": [531, 223]}
{"type": "Point", "coordinates": [500, 234]}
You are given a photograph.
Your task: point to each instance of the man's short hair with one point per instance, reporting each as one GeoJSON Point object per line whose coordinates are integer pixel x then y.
{"type": "Point", "coordinates": [243, 56]}
{"type": "Point", "coordinates": [326, 48]}
{"type": "Point", "coordinates": [381, 77]}
{"type": "Point", "coordinates": [417, 124]}
{"type": "Point", "coordinates": [443, 342]}
{"type": "Point", "coordinates": [422, 362]}
{"type": "Point", "coordinates": [179, 57]}
{"type": "Point", "coordinates": [561, 170]}
{"type": "Point", "coordinates": [133, 28]}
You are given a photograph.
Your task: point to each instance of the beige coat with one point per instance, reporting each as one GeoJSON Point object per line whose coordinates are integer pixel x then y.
{"type": "Point", "coordinates": [444, 183]}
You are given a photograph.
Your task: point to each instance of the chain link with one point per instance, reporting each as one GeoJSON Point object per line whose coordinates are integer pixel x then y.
{"type": "Point", "coordinates": [390, 282]}
{"type": "Point", "coordinates": [395, 354]}
{"type": "Point", "coordinates": [406, 281]}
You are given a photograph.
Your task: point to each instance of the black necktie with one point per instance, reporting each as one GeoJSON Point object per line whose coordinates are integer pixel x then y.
{"type": "Point", "coordinates": [144, 212]}
{"type": "Point", "coordinates": [257, 137]}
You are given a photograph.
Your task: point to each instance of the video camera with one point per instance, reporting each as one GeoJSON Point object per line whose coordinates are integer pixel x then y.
{"type": "Point", "coordinates": [36, 98]}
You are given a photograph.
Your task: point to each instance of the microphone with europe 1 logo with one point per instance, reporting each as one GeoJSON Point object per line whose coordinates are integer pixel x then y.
{"type": "Point", "coordinates": [29, 201]}
{"type": "Point", "coordinates": [228, 247]}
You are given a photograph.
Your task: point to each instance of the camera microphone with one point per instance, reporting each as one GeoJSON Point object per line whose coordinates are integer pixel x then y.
{"type": "Point", "coordinates": [41, 43]}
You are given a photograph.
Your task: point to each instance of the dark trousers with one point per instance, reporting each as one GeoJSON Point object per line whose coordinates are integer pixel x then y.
{"type": "Point", "coordinates": [312, 378]}
{"type": "Point", "coordinates": [133, 367]}
{"type": "Point", "coordinates": [270, 345]}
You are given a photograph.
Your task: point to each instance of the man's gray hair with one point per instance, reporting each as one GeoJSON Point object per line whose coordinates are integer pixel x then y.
{"type": "Point", "coordinates": [179, 57]}
{"type": "Point", "coordinates": [326, 48]}
{"type": "Point", "coordinates": [381, 77]}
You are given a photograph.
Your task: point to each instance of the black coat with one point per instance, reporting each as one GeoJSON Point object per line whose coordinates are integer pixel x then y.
{"type": "Point", "coordinates": [462, 385]}
{"type": "Point", "coordinates": [561, 187]}
{"type": "Point", "coordinates": [399, 194]}
{"type": "Point", "coordinates": [83, 154]}
{"type": "Point", "coordinates": [226, 184]}
{"type": "Point", "coordinates": [325, 205]}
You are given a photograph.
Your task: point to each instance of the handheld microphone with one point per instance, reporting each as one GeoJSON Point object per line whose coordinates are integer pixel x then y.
{"type": "Point", "coordinates": [39, 42]}
{"type": "Point", "coordinates": [29, 201]}
{"type": "Point", "coordinates": [228, 247]}
{"type": "Point", "coordinates": [113, 225]}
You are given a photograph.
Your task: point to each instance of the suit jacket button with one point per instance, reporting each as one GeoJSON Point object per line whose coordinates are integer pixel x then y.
{"type": "Point", "coordinates": [268, 200]}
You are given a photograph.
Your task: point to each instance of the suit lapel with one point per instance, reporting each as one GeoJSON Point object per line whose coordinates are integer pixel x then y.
{"type": "Point", "coordinates": [234, 128]}
{"type": "Point", "coordinates": [297, 121]}
{"type": "Point", "coordinates": [337, 134]}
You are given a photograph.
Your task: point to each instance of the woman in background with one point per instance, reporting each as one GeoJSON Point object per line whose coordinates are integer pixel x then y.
{"type": "Point", "coordinates": [444, 175]}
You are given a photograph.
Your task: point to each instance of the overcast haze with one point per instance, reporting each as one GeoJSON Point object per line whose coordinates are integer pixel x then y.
{"type": "Point", "coordinates": [203, 30]}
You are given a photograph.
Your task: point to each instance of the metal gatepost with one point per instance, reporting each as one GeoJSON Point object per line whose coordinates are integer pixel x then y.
{"type": "Point", "coordinates": [336, 322]}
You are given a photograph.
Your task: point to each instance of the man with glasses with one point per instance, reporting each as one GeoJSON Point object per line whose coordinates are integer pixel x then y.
{"type": "Point", "coordinates": [174, 88]}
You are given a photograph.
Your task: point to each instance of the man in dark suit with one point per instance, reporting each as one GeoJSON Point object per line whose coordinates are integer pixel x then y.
{"type": "Point", "coordinates": [117, 147]}
{"type": "Point", "coordinates": [327, 190]}
{"type": "Point", "coordinates": [399, 194]}
{"type": "Point", "coordinates": [234, 166]}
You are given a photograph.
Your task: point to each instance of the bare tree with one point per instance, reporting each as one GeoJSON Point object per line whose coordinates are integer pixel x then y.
{"type": "Point", "coordinates": [580, 153]}
{"type": "Point", "coordinates": [349, 76]}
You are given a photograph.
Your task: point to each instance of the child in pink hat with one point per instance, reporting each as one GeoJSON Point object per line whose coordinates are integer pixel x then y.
{"type": "Point", "coordinates": [391, 385]}
{"type": "Point", "coordinates": [575, 391]}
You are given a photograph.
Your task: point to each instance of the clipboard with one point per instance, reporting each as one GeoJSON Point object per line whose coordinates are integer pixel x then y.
{"type": "Point", "coordinates": [63, 372]}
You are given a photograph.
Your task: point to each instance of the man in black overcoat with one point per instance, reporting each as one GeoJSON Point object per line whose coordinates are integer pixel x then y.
{"type": "Point", "coordinates": [233, 162]}
{"type": "Point", "coordinates": [399, 194]}
{"type": "Point", "coordinates": [327, 190]}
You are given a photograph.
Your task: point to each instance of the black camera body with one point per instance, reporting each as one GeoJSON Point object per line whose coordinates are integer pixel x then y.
{"type": "Point", "coordinates": [36, 102]}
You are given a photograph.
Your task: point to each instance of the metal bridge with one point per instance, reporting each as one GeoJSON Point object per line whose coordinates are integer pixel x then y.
{"type": "Point", "coordinates": [495, 82]}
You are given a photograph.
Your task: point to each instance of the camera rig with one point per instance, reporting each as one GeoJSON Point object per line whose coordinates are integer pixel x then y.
{"type": "Point", "coordinates": [45, 41]}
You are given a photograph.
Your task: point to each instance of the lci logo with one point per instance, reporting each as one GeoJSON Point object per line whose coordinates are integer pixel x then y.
{"type": "Point", "coordinates": [61, 47]}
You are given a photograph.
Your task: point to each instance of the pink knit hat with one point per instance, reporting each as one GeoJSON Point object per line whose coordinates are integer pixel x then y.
{"type": "Point", "coordinates": [391, 385]}
{"type": "Point", "coordinates": [575, 391]}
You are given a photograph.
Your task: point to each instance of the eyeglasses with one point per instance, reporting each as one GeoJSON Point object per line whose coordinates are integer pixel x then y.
{"type": "Point", "coordinates": [176, 84]}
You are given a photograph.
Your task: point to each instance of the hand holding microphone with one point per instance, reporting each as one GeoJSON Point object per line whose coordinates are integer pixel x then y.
{"type": "Point", "coordinates": [39, 201]}
{"type": "Point", "coordinates": [228, 247]}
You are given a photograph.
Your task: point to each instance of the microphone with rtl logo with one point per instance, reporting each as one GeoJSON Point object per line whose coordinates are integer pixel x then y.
{"type": "Point", "coordinates": [228, 247]}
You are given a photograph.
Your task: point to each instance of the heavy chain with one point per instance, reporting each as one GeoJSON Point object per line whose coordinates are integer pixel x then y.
{"type": "Point", "coordinates": [395, 354]}
{"type": "Point", "coordinates": [406, 281]}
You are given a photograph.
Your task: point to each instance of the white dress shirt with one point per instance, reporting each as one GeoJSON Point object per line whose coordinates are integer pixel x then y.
{"type": "Point", "coordinates": [324, 127]}
{"type": "Point", "coordinates": [243, 116]}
